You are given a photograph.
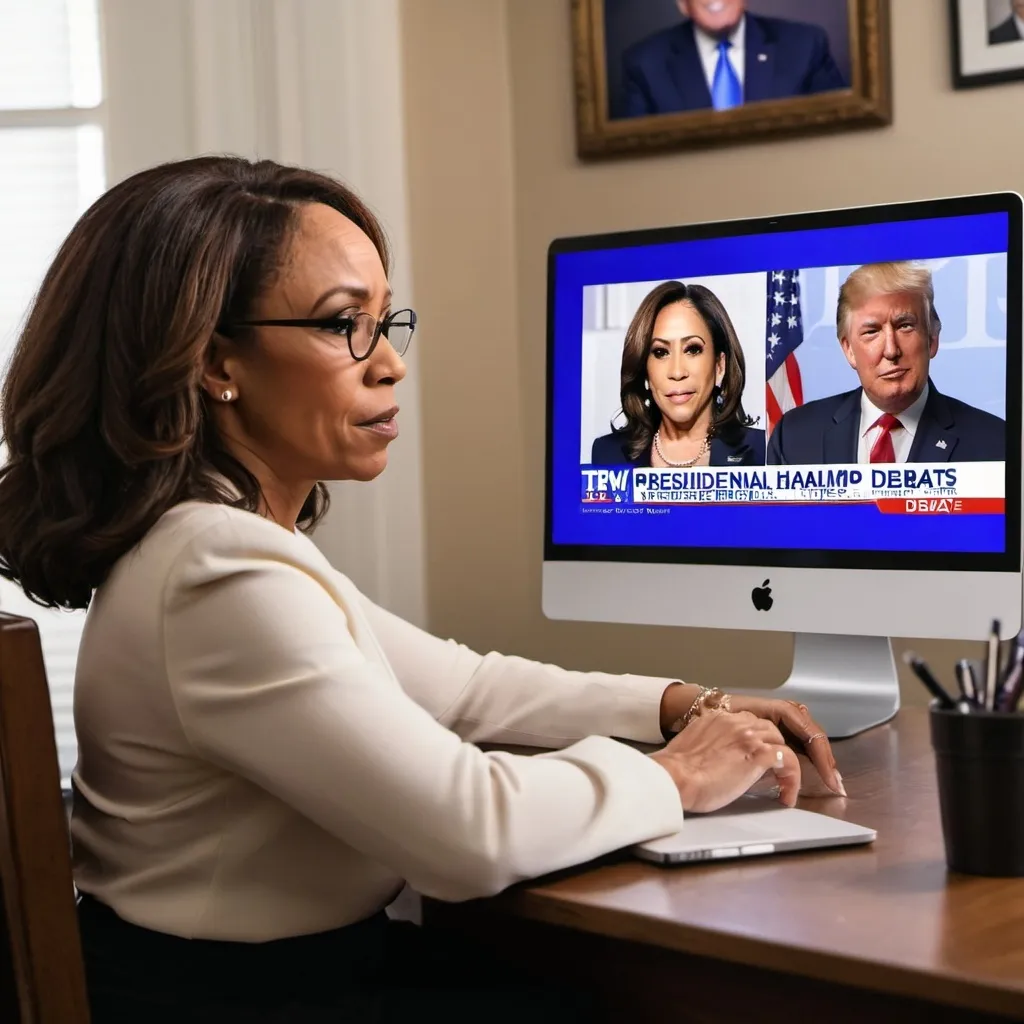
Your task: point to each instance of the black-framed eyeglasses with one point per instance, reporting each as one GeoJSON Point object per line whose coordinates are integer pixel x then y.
{"type": "Point", "coordinates": [362, 330]}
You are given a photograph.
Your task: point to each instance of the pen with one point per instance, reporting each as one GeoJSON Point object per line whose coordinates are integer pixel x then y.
{"type": "Point", "coordinates": [931, 684]}
{"type": "Point", "coordinates": [1012, 679]}
{"type": "Point", "coordinates": [966, 680]}
{"type": "Point", "coordinates": [1011, 698]}
{"type": "Point", "coordinates": [992, 666]}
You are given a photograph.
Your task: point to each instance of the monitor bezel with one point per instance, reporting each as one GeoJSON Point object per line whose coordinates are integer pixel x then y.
{"type": "Point", "coordinates": [1009, 203]}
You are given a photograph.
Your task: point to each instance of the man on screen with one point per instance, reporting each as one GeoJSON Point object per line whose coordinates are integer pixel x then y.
{"type": "Point", "coordinates": [889, 332]}
{"type": "Point", "coordinates": [722, 57]}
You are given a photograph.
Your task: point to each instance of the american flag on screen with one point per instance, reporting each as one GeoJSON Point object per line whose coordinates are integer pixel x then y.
{"type": "Point", "coordinates": [784, 333]}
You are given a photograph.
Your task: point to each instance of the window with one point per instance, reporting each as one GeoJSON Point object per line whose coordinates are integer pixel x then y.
{"type": "Point", "coordinates": [52, 167]}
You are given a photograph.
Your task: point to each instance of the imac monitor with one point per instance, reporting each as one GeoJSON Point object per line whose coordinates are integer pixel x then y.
{"type": "Point", "coordinates": [808, 423]}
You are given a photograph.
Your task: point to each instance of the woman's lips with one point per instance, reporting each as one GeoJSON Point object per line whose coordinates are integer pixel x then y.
{"type": "Point", "coordinates": [386, 424]}
{"type": "Point", "coordinates": [385, 428]}
{"type": "Point", "coordinates": [680, 397]}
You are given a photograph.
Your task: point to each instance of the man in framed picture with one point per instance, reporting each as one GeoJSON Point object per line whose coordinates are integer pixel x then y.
{"type": "Point", "coordinates": [1011, 30]}
{"type": "Point", "coordinates": [722, 56]}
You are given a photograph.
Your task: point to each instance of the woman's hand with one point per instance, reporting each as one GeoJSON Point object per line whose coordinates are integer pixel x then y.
{"type": "Point", "coordinates": [796, 724]}
{"type": "Point", "coordinates": [721, 754]}
{"type": "Point", "coordinates": [794, 720]}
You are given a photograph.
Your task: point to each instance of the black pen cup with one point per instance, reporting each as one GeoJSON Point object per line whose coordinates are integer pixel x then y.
{"type": "Point", "coordinates": [979, 758]}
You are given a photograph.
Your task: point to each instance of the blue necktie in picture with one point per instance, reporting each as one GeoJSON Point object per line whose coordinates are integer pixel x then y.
{"type": "Point", "coordinates": [726, 91]}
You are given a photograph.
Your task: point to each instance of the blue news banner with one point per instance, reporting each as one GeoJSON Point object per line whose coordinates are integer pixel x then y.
{"type": "Point", "coordinates": [862, 506]}
{"type": "Point", "coordinates": [824, 524]}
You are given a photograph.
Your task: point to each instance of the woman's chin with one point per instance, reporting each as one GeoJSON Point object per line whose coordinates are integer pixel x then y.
{"type": "Point", "coordinates": [681, 423]}
{"type": "Point", "coordinates": [369, 468]}
{"type": "Point", "coordinates": [682, 417]}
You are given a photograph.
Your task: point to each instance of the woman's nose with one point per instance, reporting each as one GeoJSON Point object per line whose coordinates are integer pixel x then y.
{"type": "Point", "coordinates": [386, 365]}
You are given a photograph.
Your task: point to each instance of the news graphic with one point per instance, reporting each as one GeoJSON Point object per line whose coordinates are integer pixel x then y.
{"type": "Point", "coordinates": [923, 331]}
{"type": "Point", "coordinates": [973, 488]}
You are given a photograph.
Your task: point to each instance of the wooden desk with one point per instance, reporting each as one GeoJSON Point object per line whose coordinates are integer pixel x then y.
{"type": "Point", "coordinates": [880, 932]}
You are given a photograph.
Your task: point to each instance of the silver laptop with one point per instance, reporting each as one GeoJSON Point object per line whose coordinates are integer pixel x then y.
{"type": "Point", "coordinates": [752, 826]}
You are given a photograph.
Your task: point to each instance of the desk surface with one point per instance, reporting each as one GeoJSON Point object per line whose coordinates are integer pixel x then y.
{"type": "Point", "coordinates": [887, 917]}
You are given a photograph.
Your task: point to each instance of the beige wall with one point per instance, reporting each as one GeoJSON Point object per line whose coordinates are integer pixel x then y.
{"type": "Point", "coordinates": [494, 178]}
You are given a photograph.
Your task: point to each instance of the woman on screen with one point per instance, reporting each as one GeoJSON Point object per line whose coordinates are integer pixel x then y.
{"type": "Point", "coordinates": [682, 387]}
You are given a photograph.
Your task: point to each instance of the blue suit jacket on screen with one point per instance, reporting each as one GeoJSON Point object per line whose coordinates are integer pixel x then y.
{"type": "Point", "coordinates": [663, 73]}
{"type": "Point", "coordinates": [825, 433]}
{"type": "Point", "coordinates": [747, 450]}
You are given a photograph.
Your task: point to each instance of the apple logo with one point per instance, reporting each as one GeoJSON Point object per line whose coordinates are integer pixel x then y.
{"type": "Point", "coordinates": [762, 597]}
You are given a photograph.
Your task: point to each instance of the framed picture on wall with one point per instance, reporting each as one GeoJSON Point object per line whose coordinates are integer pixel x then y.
{"type": "Point", "coordinates": [657, 75]}
{"type": "Point", "coordinates": [988, 41]}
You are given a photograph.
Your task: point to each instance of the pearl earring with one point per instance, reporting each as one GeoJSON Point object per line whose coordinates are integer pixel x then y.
{"type": "Point", "coordinates": [226, 396]}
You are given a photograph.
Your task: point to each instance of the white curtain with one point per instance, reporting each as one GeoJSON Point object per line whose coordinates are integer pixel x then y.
{"type": "Point", "coordinates": [52, 166]}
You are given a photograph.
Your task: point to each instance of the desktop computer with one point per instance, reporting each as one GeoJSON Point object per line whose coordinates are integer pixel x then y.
{"type": "Point", "coordinates": [808, 423]}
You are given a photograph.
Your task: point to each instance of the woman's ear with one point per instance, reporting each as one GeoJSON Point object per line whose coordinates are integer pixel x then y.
{"type": "Point", "coordinates": [720, 370]}
{"type": "Point", "coordinates": [220, 375]}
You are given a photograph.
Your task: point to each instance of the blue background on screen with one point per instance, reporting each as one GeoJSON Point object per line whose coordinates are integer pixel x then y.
{"type": "Point", "coordinates": [826, 527]}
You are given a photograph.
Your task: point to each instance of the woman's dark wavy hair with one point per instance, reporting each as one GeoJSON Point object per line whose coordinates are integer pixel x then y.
{"type": "Point", "coordinates": [104, 418]}
{"type": "Point", "coordinates": [728, 420]}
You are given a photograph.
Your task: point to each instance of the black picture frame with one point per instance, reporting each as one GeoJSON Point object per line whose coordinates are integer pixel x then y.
{"type": "Point", "coordinates": [965, 79]}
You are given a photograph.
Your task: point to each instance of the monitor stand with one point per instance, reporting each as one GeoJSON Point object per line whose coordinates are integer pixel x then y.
{"type": "Point", "coordinates": [848, 683]}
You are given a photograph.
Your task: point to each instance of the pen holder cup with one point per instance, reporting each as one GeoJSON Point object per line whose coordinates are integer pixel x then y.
{"type": "Point", "coordinates": [979, 758]}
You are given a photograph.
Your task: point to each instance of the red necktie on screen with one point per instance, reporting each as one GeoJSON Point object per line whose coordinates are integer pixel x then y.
{"type": "Point", "coordinates": [882, 450]}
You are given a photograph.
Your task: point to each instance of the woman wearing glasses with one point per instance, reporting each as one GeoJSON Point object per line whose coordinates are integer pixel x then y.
{"type": "Point", "coordinates": [265, 755]}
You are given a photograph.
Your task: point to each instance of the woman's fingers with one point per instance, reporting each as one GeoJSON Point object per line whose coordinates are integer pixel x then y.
{"type": "Point", "coordinates": [797, 719]}
{"type": "Point", "coordinates": [767, 731]}
{"type": "Point", "coordinates": [770, 751]}
{"type": "Point", "coordinates": [782, 760]}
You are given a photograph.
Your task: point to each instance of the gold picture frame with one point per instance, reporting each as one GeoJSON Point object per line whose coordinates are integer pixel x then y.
{"type": "Point", "coordinates": [867, 101]}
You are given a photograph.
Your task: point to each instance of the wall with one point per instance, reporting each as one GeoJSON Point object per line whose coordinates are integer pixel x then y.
{"type": "Point", "coordinates": [493, 178]}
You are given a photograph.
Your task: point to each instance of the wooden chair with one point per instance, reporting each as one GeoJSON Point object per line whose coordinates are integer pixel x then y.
{"type": "Point", "coordinates": [42, 978]}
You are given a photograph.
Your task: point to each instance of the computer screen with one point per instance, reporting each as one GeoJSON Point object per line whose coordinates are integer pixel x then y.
{"type": "Point", "coordinates": [806, 423]}
{"type": "Point", "coordinates": [829, 390]}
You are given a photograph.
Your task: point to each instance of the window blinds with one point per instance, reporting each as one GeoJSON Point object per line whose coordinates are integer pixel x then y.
{"type": "Point", "coordinates": [52, 166]}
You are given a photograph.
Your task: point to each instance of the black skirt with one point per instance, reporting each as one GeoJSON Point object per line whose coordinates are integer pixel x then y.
{"type": "Point", "coordinates": [376, 971]}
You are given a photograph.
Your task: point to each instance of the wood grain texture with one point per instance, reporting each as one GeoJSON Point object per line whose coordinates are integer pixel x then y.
{"type": "Point", "coordinates": [42, 978]}
{"type": "Point", "coordinates": [873, 923]}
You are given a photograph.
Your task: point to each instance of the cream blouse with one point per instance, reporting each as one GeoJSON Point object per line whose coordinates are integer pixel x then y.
{"type": "Point", "coordinates": [266, 753]}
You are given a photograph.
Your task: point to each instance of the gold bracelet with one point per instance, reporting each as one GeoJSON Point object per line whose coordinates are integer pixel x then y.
{"type": "Point", "coordinates": [716, 700]}
{"type": "Point", "coordinates": [710, 697]}
{"type": "Point", "coordinates": [707, 696]}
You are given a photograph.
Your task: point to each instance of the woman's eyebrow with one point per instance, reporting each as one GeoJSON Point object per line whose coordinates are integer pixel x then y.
{"type": "Point", "coordinates": [356, 291]}
{"type": "Point", "coordinates": [685, 337]}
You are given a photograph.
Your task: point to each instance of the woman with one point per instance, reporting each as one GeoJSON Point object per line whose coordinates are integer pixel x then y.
{"type": "Point", "coordinates": [682, 387]}
{"type": "Point", "coordinates": [266, 756]}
